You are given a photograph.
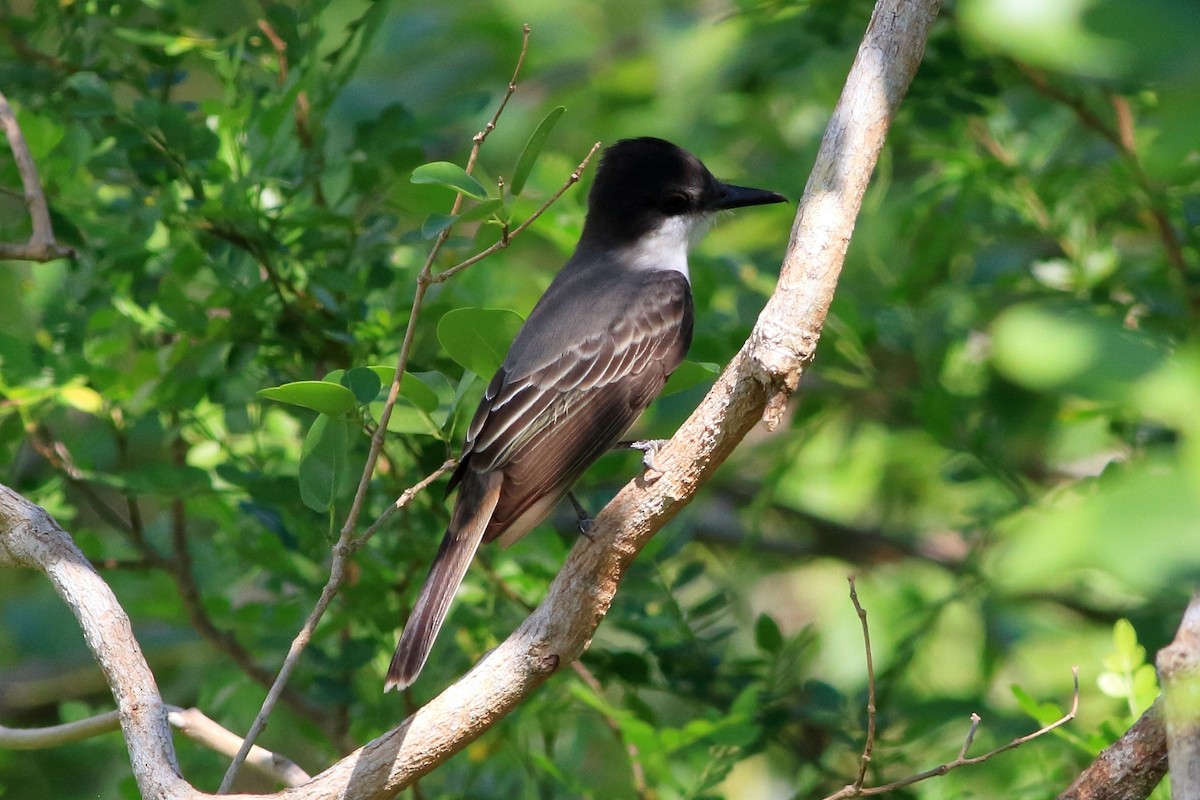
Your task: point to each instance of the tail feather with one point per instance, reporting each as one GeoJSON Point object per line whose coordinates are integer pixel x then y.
{"type": "Point", "coordinates": [472, 511]}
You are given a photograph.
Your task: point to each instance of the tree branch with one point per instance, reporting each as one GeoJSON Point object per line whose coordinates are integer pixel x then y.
{"type": "Point", "coordinates": [1179, 670]}
{"type": "Point", "coordinates": [1129, 768]}
{"type": "Point", "coordinates": [41, 245]}
{"type": "Point", "coordinates": [191, 722]}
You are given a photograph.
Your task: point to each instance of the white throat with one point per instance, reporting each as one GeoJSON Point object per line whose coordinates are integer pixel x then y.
{"type": "Point", "coordinates": [666, 247]}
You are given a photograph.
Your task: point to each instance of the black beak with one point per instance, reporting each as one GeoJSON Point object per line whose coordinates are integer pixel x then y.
{"type": "Point", "coordinates": [730, 196]}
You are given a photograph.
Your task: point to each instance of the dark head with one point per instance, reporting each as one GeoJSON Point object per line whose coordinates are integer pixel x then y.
{"type": "Point", "coordinates": [642, 182]}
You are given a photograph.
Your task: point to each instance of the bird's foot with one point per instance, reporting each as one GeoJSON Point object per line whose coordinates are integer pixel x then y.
{"type": "Point", "coordinates": [649, 448]}
{"type": "Point", "coordinates": [585, 522]}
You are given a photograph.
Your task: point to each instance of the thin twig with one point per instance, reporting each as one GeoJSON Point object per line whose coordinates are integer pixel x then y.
{"type": "Point", "coordinates": [504, 240]}
{"type": "Point", "coordinates": [962, 760]}
{"type": "Point", "coordinates": [975, 720]}
{"type": "Point", "coordinates": [400, 502]}
{"type": "Point", "coordinates": [869, 744]}
{"type": "Point", "coordinates": [423, 283]}
{"type": "Point", "coordinates": [41, 245]}
{"type": "Point", "coordinates": [300, 115]}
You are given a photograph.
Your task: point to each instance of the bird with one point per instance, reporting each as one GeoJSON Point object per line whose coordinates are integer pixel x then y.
{"type": "Point", "coordinates": [597, 348]}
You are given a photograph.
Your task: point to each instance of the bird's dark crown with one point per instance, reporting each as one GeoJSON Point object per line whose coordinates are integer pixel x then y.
{"type": "Point", "coordinates": [641, 182]}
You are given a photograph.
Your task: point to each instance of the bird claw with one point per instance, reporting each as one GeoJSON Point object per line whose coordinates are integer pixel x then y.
{"type": "Point", "coordinates": [585, 528]}
{"type": "Point", "coordinates": [585, 522]}
{"type": "Point", "coordinates": [649, 448]}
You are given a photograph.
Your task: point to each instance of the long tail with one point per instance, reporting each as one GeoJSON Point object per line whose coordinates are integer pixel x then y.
{"type": "Point", "coordinates": [472, 511]}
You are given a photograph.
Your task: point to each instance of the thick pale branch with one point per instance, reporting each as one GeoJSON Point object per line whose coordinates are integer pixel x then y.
{"type": "Point", "coordinates": [30, 538]}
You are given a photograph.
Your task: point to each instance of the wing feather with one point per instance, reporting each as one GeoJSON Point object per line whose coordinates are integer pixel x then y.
{"type": "Point", "coordinates": [543, 424]}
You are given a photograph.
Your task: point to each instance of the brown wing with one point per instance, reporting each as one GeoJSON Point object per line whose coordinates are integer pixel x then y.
{"type": "Point", "coordinates": [542, 427]}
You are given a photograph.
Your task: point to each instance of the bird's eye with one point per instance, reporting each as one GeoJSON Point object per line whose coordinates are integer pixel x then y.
{"type": "Point", "coordinates": [675, 203]}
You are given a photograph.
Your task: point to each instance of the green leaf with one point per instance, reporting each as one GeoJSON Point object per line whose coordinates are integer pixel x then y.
{"type": "Point", "coordinates": [767, 635]}
{"type": "Point", "coordinates": [1072, 348]}
{"type": "Point", "coordinates": [443, 173]}
{"type": "Point", "coordinates": [533, 149]}
{"type": "Point", "coordinates": [1043, 713]}
{"type": "Point", "coordinates": [323, 396]}
{"type": "Point", "coordinates": [689, 374]}
{"type": "Point", "coordinates": [412, 388]}
{"type": "Point", "coordinates": [478, 338]}
{"type": "Point", "coordinates": [435, 224]}
{"type": "Point", "coordinates": [323, 461]}
{"type": "Point", "coordinates": [1125, 642]}
{"type": "Point", "coordinates": [83, 398]}
{"type": "Point", "coordinates": [481, 210]}
{"type": "Point", "coordinates": [364, 382]}
{"type": "Point", "coordinates": [417, 410]}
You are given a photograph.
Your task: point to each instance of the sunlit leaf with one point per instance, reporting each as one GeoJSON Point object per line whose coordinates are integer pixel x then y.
{"type": "Point", "coordinates": [533, 149]}
{"type": "Point", "coordinates": [478, 338]}
{"type": "Point", "coordinates": [323, 396]}
{"type": "Point", "coordinates": [443, 173]}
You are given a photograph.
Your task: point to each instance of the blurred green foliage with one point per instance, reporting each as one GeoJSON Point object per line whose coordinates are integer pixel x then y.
{"type": "Point", "coordinates": [1000, 433]}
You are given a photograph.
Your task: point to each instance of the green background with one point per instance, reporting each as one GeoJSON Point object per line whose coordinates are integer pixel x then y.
{"type": "Point", "coordinates": [999, 435]}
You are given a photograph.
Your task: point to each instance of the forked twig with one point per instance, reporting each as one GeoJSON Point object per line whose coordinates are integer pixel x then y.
{"type": "Point", "coordinates": [504, 240]}
{"type": "Point", "coordinates": [856, 789]}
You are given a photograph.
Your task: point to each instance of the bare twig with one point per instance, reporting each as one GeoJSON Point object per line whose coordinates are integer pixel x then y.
{"type": "Point", "coordinates": [869, 744]}
{"type": "Point", "coordinates": [856, 789]}
{"type": "Point", "coordinates": [41, 245]}
{"type": "Point", "coordinates": [508, 236]}
{"type": "Point", "coordinates": [341, 553]}
{"type": "Point", "coordinates": [400, 502]}
{"type": "Point", "coordinates": [975, 720]}
{"type": "Point", "coordinates": [300, 115]}
{"type": "Point", "coordinates": [962, 760]}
